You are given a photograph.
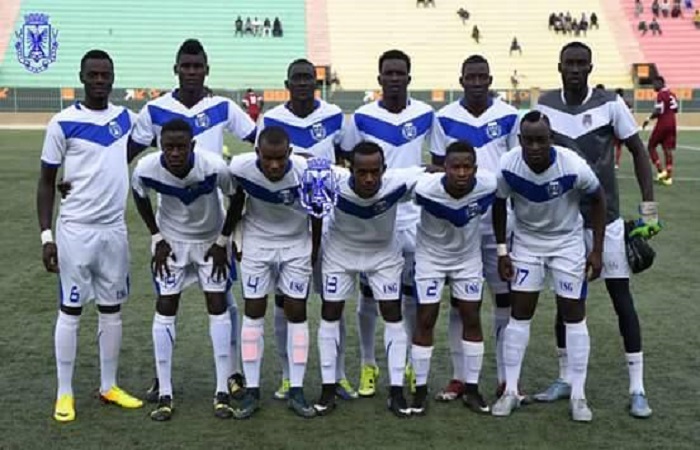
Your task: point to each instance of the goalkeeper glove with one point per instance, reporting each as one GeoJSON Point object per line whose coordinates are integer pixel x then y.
{"type": "Point", "coordinates": [648, 225]}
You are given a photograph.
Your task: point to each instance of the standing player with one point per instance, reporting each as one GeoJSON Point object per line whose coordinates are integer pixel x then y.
{"type": "Point", "coordinates": [91, 252]}
{"type": "Point", "coordinates": [448, 248]}
{"type": "Point", "coordinates": [362, 239]}
{"type": "Point", "coordinates": [490, 125]}
{"type": "Point", "coordinates": [313, 127]}
{"type": "Point", "coordinates": [189, 237]}
{"type": "Point", "coordinates": [400, 125]}
{"type": "Point", "coordinates": [546, 184]}
{"type": "Point", "coordinates": [208, 116]}
{"type": "Point", "coordinates": [277, 254]}
{"type": "Point", "coordinates": [253, 104]}
{"type": "Point", "coordinates": [588, 121]}
{"type": "Point", "coordinates": [664, 133]}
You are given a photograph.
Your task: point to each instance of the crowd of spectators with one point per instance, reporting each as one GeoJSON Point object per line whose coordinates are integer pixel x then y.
{"type": "Point", "coordinates": [258, 28]}
{"type": "Point", "coordinates": [567, 24]}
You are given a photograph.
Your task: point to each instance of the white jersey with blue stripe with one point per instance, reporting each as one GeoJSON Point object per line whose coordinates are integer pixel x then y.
{"type": "Point", "coordinates": [315, 135]}
{"type": "Point", "coordinates": [189, 209]}
{"type": "Point", "coordinates": [370, 223]}
{"type": "Point", "coordinates": [274, 216]}
{"type": "Point", "coordinates": [546, 205]}
{"type": "Point", "coordinates": [492, 133]}
{"type": "Point", "coordinates": [91, 147]}
{"type": "Point", "coordinates": [449, 228]}
{"type": "Point", "coordinates": [400, 135]}
{"type": "Point", "coordinates": [209, 118]}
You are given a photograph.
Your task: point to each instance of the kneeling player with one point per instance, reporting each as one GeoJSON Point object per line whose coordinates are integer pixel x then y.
{"type": "Point", "coordinates": [546, 184]}
{"type": "Point", "coordinates": [362, 239]}
{"type": "Point", "coordinates": [185, 246]}
{"type": "Point", "coordinates": [448, 247]}
{"type": "Point", "coordinates": [277, 254]}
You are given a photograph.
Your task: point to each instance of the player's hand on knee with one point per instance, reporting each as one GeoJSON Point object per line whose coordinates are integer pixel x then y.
{"type": "Point", "coordinates": [594, 265]}
{"type": "Point", "coordinates": [220, 261]}
{"type": "Point", "coordinates": [505, 268]}
{"type": "Point", "coordinates": [64, 187]}
{"type": "Point", "coordinates": [50, 257]}
{"type": "Point", "coordinates": [161, 253]}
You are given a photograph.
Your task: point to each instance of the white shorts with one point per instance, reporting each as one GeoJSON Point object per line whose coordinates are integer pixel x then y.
{"type": "Point", "coordinates": [466, 281]}
{"type": "Point", "coordinates": [567, 269]}
{"type": "Point", "coordinates": [288, 269]}
{"type": "Point", "coordinates": [490, 260]}
{"type": "Point", "coordinates": [93, 264]}
{"type": "Point", "coordinates": [189, 267]}
{"type": "Point", "coordinates": [382, 269]}
{"type": "Point", "coordinates": [615, 263]}
{"type": "Point", "coordinates": [406, 240]}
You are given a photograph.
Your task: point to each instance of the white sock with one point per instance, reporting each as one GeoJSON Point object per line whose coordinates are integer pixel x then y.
{"type": "Point", "coordinates": [578, 343]}
{"type": "Point", "coordinates": [563, 359]}
{"type": "Point", "coordinates": [328, 343]}
{"type": "Point", "coordinates": [252, 347]}
{"type": "Point", "coordinates": [515, 339]}
{"type": "Point", "coordinates": [395, 343]}
{"type": "Point", "coordinates": [340, 360]}
{"type": "Point", "coordinates": [163, 342]}
{"type": "Point", "coordinates": [635, 365]}
{"type": "Point", "coordinates": [409, 312]}
{"type": "Point", "coordinates": [367, 323]}
{"type": "Point", "coordinates": [109, 332]}
{"type": "Point", "coordinates": [220, 333]}
{"type": "Point", "coordinates": [298, 352]}
{"type": "Point", "coordinates": [501, 316]}
{"type": "Point", "coordinates": [454, 333]}
{"type": "Point", "coordinates": [66, 345]}
{"type": "Point", "coordinates": [281, 340]}
{"type": "Point", "coordinates": [420, 356]}
{"type": "Point", "coordinates": [235, 337]}
{"type": "Point", "coordinates": [473, 360]}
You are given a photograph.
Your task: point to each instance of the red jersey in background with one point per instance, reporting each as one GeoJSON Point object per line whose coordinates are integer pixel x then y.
{"type": "Point", "coordinates": [253, 104]}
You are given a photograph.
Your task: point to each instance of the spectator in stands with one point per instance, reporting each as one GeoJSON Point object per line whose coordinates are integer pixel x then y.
{"type": "Point", "coordinates": [248, 28]}
{"type": "Point", "coordinates": [239, 27]}
{"type": "Point", "coordinates": [655, 8]}
{"type": "Point", "coordinates": [515, 46]}
{"type": "Point", "coordinates": [515, 80]}
{"type": "Point", "coordinates": [430, 2]}
{"type": "Point", "coordinates": [277, 28]}
{"type": "Point", "coordinates": [476, 34]}
{"type": "Point", "coordinates": [676, 10]}
{"type": "Point", "coordinates": [594, 20]}
{"type": "Point", "coordinates": [655, 27]}
{"type": "Point", "coordinates": [642, 27]}
{"type": "Point", "coordinates": [567, 17]}
{"type": "Point", "coordinates": [583, 24]}
{"type": "Point", "coordinates": [689, 4]}
{"type": "Point", "coordinates": [575, 28]}
{"type": "Point", "coordinates": [463, 14]}
{"type": "Point", "coordinates": [638, 8]}
{"type": "Point", "coordinates": [696, 19]}
{"type": "Point", "coordinates": [665, 8]}
{"type": "Point", "coordinates": [257, 27]}
{"type": "Point", "coordinates": [552, 21]}
{"type": "Point", "coordinates": [267, 26]}
{"type": "Point", "coordinates": [420, 2]}
{"type": "Point", "coordinates": [600, 86]}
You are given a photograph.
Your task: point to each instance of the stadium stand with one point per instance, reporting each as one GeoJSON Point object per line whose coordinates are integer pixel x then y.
{"type": "Point", "coordinates": [142, 38]}
{"type": "Point", "coordinates": [676, 52]}
{"type": "Point", "coordinates": [437, 41]}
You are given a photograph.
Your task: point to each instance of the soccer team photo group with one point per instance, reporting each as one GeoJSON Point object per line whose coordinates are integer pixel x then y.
{"type": "Point", "coordinates": [358, 266]}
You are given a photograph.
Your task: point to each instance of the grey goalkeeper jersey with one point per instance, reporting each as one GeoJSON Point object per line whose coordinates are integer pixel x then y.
{"type": "Point", "coordinates": [590, 130]}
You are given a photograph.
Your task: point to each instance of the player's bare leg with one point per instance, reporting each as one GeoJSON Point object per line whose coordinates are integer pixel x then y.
{"type": "Point", "coordinates": [395, 344]}
{"type": "Point", "coordinates": [421, 354]}
{"type": "Point", "coordinates": [252, 348]}
{"type": "Point", "coordinates": [328, 347]}
{"type": "Point", "coordinates": [473, 353]}
{"type": "Point", "coordinates": [668, 156]}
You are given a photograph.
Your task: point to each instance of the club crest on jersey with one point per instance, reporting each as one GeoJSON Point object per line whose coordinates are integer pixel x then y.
{"type": "Point", "coordinates": [554, 189]}
{"type": "Point", "coordinates": [36, 44]}
{"type": "Point", "coordinates": [318, 131]}
{"type": "Point", "coordinates": [493, 130]}
{"type": "Point", "coordinates": [587, 120]}
{"type": "Point", "coordinates": [115, 129]}
{"type": "Point", "coordinates": [381, 206]}
{"type": "Point", "coordinates": [286, 196]}
{"type": "Point", "coordinates": [473, 210]}
{"type": "Point", "coordinates": [202, 120]}
{"type": "Point", "coordinates": [409, 131]}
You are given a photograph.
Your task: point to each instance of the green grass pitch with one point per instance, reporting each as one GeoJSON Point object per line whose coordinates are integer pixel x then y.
{"type": "Point", "coordinates": [666, 298]}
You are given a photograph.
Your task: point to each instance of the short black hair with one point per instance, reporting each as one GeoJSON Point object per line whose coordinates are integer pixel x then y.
{"type": "Point", "coordinates": [176, 125]}
{"type": "Point", "coordinates": [95, 54]}
{"type": "Point", "coordinates": [274, 136]}
{"type": "Point", "coordinates": [299, 61]}
{"type": "Point", "coordinates": [660, 78]}
{"type": "Point", "coordinates": [191, 47]}
{"type": "Point", "coordinates": [475, 59]}
{"type": "Point", "coordinates": [534, 116]}
{"type": "Point", "coordinates": [600, 86]}
{"type": "Point", "coordinates": [576, 44]}
{"type": "Point", "coordinates": [395, 54]}
{"type": "Point", "coordinates": [367, 148]}
{"type": "Point", "coordinates": [620, 92]}
{"type": "Point", "coordinates": [460, 147]}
